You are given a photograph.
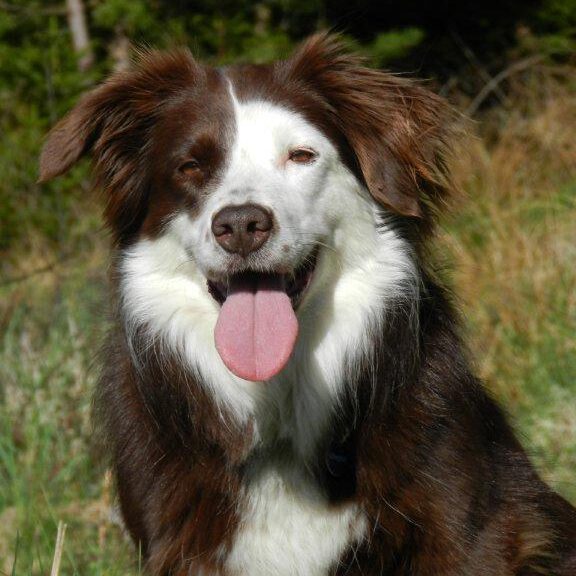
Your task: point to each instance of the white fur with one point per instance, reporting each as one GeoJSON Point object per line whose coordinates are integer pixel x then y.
{"type": "Point", "coordinates": [289, 533]}
{"type": "Point", "coordinates": [364, 267]}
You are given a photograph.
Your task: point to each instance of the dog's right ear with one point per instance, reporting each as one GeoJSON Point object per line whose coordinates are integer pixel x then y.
{"type": "Point", "coordinates": [113, 123]}
{"type": "Point", "coordinates": [113, 119]}
{"type": "Point", "coordinates": [73, 136]}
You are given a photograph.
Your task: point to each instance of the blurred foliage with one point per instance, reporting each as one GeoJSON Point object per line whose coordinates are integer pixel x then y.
{"type": "Point", "coordinates": [40, 80]}
{"type": "Point", "coordinates": [389, 46]}
{"type": "Point", "coordinates": [557, 16]}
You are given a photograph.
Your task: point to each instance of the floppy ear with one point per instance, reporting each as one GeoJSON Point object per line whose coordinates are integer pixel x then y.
{"type": "Point", "coordinates": [113, 123]}
{"type": "Point", "coordinates": [122, 106]}
{"type": "Point", "coordinates": [106, 123]}
{"type": "Point", "coordinates": [398, 131]}
{"type": "Point", "coordinates": [72, 137]}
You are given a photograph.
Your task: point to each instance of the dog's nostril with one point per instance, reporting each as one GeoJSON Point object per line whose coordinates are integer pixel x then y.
{"type": "Point", "coordinates": [222, 229]}
{"type": "Point", "coordinates": [242, 229]}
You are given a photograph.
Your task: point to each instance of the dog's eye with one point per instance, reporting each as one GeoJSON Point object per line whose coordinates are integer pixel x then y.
{"type": "Point", "coordinates": [189, 168]}
{"type": "Point", "coordinates": [302, 156]}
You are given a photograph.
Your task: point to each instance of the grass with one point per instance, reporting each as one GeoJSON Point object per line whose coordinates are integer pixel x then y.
{"type": "Point", "coordinates": [511, 246]}
{"type": "Point", "coordinates": [513, 249]}
{"type": "Point", "coordinates": [52, 327]}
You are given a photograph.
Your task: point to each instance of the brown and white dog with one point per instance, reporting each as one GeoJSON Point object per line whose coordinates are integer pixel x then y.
{"type": "Point", "coordinates": [285, 391]}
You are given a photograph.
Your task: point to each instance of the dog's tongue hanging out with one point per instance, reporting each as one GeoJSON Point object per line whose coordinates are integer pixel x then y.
{"type": "Point", "coordinates": [257, 328]}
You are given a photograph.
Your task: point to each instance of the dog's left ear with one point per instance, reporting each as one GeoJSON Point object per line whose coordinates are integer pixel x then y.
{"type": "Point", "coordinates": [398, 131]}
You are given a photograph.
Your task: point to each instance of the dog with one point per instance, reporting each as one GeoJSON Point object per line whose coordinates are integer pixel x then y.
{"type": "Point", "coordinates": [285, 390]}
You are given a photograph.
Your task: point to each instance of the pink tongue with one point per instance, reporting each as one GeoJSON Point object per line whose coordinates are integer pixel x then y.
{"type": "Point", "coordinates": [257, 328]}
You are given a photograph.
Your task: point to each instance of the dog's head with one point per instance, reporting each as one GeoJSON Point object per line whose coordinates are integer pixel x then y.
{"type": "Point", "coordinates": [256, 173]}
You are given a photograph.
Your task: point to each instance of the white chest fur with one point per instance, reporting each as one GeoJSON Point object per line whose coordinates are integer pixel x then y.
{"type": "Point", "coordinates": [288, 528]}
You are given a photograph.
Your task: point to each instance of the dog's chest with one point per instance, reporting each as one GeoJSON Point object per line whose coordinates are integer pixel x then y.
{"type": "Point", "coordinates": [288, 528]}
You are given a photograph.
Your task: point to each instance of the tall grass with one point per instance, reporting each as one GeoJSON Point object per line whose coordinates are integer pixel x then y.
{"type": "Point", "coordinates": [511, 246]}
{"type": "Point", "coordinates": [52, 324]}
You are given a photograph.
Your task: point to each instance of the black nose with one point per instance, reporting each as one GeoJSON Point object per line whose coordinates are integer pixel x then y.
{"type": "Point", "coordinates": [242, 229]}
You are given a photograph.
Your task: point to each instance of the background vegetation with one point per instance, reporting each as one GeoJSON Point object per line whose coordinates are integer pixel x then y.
{"type": "Point", "coordinates": [509, 248]}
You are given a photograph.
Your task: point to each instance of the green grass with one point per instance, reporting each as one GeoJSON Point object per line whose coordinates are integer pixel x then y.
{"type": "Point", "coordinates": [48, 469]}
{"type": "Point", "coordinates": [527, 356]}
{"type": "Point", "coordinates": [513, 249]}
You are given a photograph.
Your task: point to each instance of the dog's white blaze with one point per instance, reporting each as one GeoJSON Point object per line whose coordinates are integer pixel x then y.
{"type": "Point", "coordinates": [364, 266]}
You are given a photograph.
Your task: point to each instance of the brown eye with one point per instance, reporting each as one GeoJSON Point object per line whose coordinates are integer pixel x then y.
{"type": "Point", "coordinates": [190, 168]}
{"type": "Point", "coordinates": [302, 156]}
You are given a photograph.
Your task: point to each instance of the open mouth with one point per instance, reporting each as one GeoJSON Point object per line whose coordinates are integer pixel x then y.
{"type": "Point", "coordinates": [257, 326]}
{"type": "Point", "coordinates": [294, 284]}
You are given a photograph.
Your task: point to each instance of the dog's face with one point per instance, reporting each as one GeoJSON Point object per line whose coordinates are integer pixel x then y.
{"type": "Point", "coordinates": [257, 192]}
{"type": "Point", "coordinates": [254, 191]}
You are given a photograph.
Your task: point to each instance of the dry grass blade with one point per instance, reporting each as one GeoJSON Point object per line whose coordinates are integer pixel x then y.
{"type": "Point", "coordinates": [58, 549]}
